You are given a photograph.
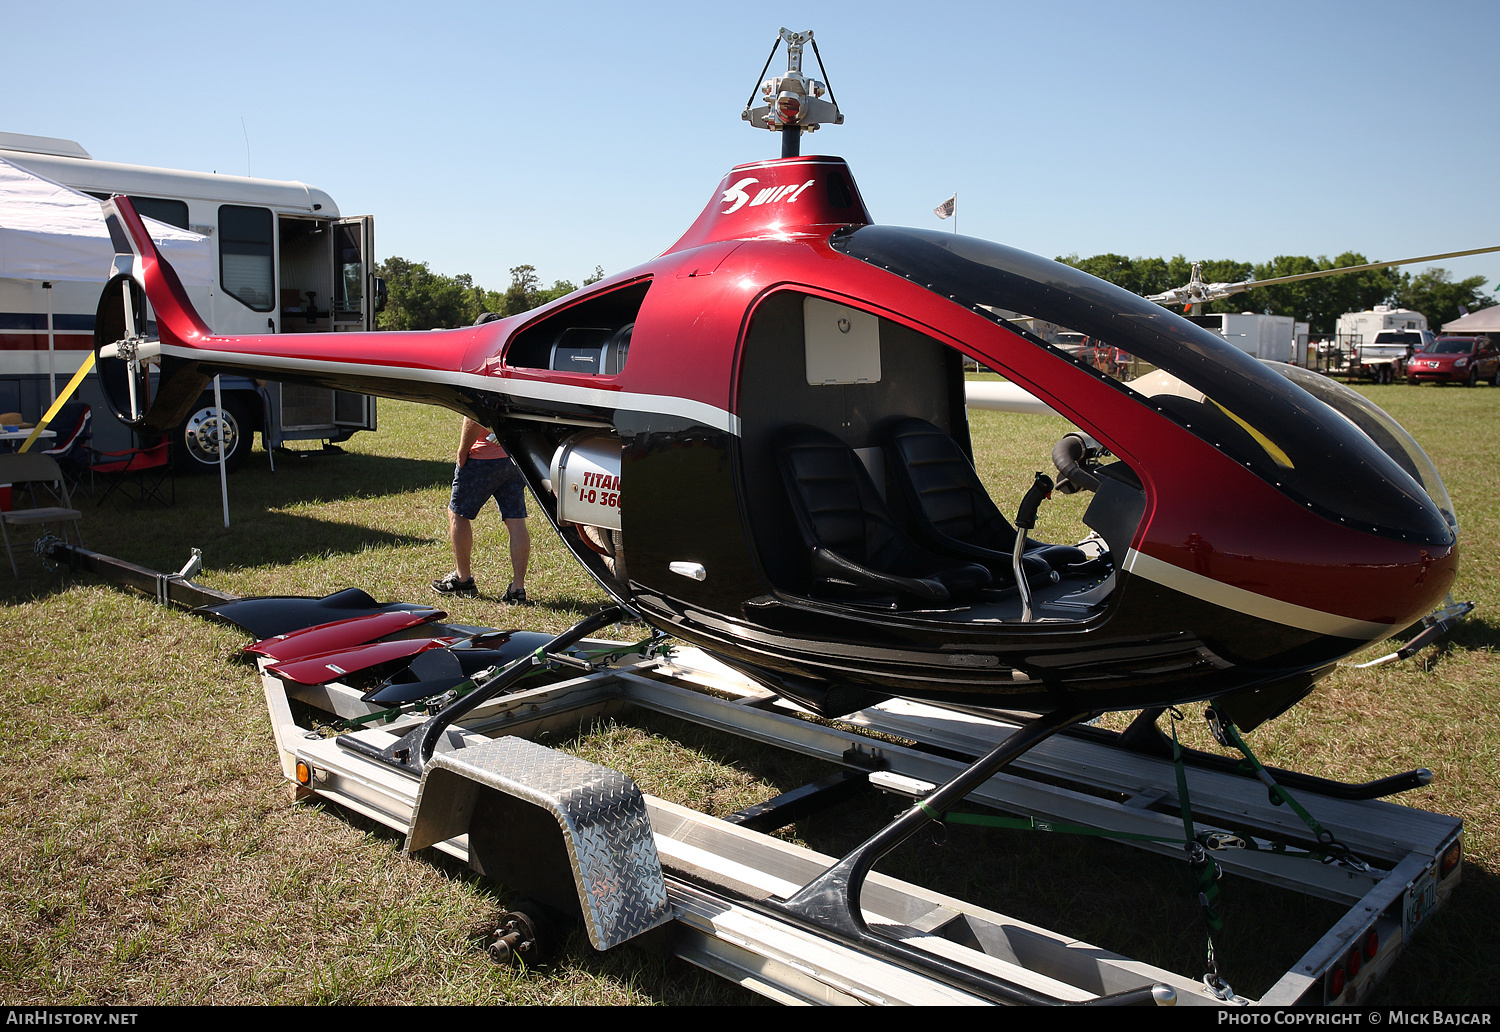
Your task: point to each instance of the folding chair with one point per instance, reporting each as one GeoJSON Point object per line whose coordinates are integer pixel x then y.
{"type": "Point", "coordinates": [74, 427]}
{"type": "Point", "coordinates": [32, 469]}
{"type": "Point", "coordinates": [138, 472]}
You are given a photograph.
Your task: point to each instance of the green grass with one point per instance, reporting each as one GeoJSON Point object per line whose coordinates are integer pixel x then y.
{"type": "Point", "coordinates": [153, 855]}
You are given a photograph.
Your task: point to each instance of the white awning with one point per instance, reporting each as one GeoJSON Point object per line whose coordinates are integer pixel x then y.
{"type": "Point", "coordinates": [1486, 320]}
{"type": "Point", "coordinates": [49, 232]}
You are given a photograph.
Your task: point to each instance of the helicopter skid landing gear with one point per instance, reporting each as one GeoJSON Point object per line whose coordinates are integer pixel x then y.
{"type": "Point", "coordinates": [831, 902]}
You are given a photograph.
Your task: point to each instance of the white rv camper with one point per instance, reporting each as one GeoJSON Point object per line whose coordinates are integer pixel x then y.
{"type": "Point", "coordinates": [282, 260]}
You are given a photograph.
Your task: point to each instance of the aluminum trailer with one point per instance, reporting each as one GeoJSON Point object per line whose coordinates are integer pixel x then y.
{"type": "Point", "coordinates": [717, 874]}
{"type": "Point", "coordinates": [634, 863]}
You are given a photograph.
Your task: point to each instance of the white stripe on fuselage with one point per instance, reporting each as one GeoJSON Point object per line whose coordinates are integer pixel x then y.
{"type": "Point", "coordinates": [1251, 603]}
{"type": "Point", "coordinates": [532, 390]}
{"type": "Point", "coordinates": [1138, 564]}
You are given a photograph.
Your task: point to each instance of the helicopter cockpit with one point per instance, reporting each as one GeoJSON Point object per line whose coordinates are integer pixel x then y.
{"type": "Point", "coordinates": [859, 483]}
{"type": "Point", "coordinates": [859, 477]}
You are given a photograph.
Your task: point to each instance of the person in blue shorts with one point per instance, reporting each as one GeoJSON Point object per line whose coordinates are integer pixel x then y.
{"type": "Point", "coordinates": [483, 471]}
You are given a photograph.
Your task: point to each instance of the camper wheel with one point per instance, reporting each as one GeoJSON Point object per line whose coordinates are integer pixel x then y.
{"type": "Point", "coordinates": [195, 444]}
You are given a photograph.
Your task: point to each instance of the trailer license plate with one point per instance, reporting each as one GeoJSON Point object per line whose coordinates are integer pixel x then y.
{"type": "Point", "coordinates": [1421, 901]}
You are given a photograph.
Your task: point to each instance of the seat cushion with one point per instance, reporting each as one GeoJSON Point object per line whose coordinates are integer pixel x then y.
{"type": "Point", "coordinates": [851, 534]}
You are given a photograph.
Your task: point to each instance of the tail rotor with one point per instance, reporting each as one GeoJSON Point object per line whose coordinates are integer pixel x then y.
{"type": "Point", "coordinates": [124, 350]}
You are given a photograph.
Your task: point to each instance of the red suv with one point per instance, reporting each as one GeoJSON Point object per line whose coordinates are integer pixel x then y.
{"type": "Point", "coordinates": [1465, 360]}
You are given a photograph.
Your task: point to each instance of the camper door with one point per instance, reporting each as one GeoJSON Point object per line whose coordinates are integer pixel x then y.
{"type": "Point", "coordinates": [353, 255]}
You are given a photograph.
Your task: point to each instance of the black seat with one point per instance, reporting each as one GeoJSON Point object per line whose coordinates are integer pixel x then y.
{"type": "Point", "coordinates": [954, 513]}
{"type": "Point", "coordinates": [853, 539]}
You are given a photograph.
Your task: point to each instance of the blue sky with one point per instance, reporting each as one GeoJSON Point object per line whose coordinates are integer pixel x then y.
{"type": "Point", "coordinates": [486, 135]}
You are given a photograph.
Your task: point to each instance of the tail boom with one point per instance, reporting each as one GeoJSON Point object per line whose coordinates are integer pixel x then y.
{"type": "Point", "coordinates": [426, 366]}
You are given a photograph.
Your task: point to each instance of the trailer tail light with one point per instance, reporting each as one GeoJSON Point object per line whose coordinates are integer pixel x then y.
{"type": "Point", "coordinates": [1451, 858]}
{"type": "Point", "coordinates": [1372, 944]}
{"type": "Point", "coordinates": [1356, 958]}
{"type": "Point", "coordinates": [304, 774]}
{"type": "Point", "coordinates": [1336, 980]}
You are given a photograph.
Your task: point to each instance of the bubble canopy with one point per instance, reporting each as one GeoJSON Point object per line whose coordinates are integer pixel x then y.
{"type": "Point", "coordinates": [1343, 459]}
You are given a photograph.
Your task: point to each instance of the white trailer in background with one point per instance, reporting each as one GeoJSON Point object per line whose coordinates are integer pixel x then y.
{"type": "Point", "coordinates": [1274, 338]}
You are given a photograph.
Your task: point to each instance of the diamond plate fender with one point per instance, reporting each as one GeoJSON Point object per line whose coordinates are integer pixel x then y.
{"type": "Point", "coordinates": [570, 833]}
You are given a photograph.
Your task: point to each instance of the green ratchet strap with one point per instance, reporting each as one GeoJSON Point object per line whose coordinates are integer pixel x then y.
{"type": "Point", "coordinates": [657, 645]}
{"type": "Point", "coordinates": [355, 723]}
{"type": "Point", "coordinates": [458, 691]}
{"type": "Point", "coordinates": [1205, 872]}
{"type": "Point", "coordinates": [1197, 845]}
{"type": "Point", "coordinates": [1228, 735]}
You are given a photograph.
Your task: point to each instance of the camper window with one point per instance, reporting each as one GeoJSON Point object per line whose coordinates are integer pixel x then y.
{"type": "Point", "coordinates": [162, 209]}
{"type": "Point", "coordinates": [245, 261]}
{"type": "Point", "coordinates": [173, 213]}
{"type": "Point", "coordinates": [349, 281]}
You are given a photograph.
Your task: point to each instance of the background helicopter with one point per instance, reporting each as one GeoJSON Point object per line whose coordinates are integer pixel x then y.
{"type": "Point", "coordinates": [758, 441]}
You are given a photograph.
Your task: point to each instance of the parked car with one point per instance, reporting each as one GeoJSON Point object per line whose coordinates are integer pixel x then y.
{"type": "Point", "coordinates": [1465, 360]}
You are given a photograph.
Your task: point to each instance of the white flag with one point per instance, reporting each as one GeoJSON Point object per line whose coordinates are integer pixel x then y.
{"type": "Point", "coordinates": [947, 208]}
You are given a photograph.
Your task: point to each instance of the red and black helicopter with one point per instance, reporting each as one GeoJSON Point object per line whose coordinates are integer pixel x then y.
{"type": "Point", "coordinates": [758, 441]}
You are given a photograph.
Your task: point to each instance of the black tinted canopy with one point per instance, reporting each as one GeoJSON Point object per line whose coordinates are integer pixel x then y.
{"type": "Point", "coordinates": [1297, 443]}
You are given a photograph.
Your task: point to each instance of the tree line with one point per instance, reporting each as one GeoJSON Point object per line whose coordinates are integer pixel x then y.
{"type": "Point", "coordinates": [1317, 302]}
{"type": "Point", "coordinates": [419, 299]}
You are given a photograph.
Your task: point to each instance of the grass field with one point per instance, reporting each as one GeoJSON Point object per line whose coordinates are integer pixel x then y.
{"type": "Point", "coordinates": [153, 856]}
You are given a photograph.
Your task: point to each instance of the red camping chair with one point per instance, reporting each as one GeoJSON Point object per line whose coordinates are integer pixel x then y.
{"type": "Point", "coordinates": [138, 473]}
